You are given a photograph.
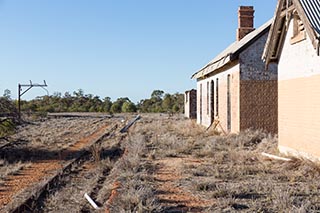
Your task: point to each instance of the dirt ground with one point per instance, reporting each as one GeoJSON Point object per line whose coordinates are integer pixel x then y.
{"type": "Point", "coordinates": [192, 170]}
{"type": "Point", "coordinates": [163, 164]}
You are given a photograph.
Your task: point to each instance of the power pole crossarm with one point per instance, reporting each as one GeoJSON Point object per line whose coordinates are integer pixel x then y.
{"type": "Point", "coordinates": [21, 93]}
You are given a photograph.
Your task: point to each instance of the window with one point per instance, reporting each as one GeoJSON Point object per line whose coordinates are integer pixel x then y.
{"type": "Point", "coordinates": [217, 97]}
{"type": "Point", "coordinates": [187, 94]}
{"type": "Point", "coordinates": [200, 103]}
{"type": "Point", "coordinates": [298, 33]}
{"type": "Point", "coordinates": [212, 101]}
{"type": "Point", "coordinates": [208, 95]}
{"type": "Point", "coordinates": [228, 103]}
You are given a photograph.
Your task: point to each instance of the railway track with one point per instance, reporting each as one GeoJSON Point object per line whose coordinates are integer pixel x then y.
{"type": "Point", "coordinates": [31, 189]}
{"type": "Point", "coordinates": [59, 177]}
{"type": "Point", "coordinates": [4, 143]}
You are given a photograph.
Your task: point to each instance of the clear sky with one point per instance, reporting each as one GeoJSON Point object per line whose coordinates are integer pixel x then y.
{"type": "Point", "coordinates": [115, 48]}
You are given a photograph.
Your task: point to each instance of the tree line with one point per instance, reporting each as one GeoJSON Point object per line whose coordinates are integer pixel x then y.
{"type": "Point", "coordinates": [78, 101]}
{"type": "Point", "coordinates": [162, 102]}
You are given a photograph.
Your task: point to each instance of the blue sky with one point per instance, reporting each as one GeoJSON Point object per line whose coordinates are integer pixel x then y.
{"type": "Point", "coordinates": [115, 48]}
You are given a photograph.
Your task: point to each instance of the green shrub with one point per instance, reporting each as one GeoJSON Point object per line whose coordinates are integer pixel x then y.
{"type": "Point", "coordinates": [7, 127]}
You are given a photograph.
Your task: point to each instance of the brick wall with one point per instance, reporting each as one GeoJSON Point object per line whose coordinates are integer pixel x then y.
{"type": "Point", "coordinates": [252, 66]}
{"type": "Point", "coordinates": [245, 21]}
{"type": "Point", "coordinates": [258, 89]}
{"type": "Point", "coordinates": [258, 105]}
{"type": "Point", "coordinates": [190, 105]}
{"type": "Point", "coordinates": [253, 91]}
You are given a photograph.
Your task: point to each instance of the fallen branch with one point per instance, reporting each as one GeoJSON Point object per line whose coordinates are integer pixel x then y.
{"type": "Point", "coordinates": [275, 157]}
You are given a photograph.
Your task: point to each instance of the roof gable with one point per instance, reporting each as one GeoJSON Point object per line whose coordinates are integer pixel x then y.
{"type": "Point", "coordinates": [309, 12]}
{"type": "Point", "coordinates": [232, 52]}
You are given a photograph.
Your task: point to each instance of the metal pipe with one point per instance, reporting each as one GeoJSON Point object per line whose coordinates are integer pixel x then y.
{"type": "Point", "coordinates": [93, 204]}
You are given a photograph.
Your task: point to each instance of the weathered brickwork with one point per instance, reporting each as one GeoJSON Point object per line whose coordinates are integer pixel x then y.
{"type": "Point", "coordinates": [245, 21]}
{"type": "Point", "coordinates": [247, 92]}
{"type": "Point", "coordinates": [252, 91]}
{"type": "Point", "coordinates": [206, 114]}
{"type": "Point", "coordinates": [259, 105]}
{"type": "Point", "coordinates": [251, 65]}
{"type": "Point", "coordinates": [299, 98]}
{"type": "Point", "coordinates": [190, 105]}
{"type": "Point", "coordinates": [258, 89]}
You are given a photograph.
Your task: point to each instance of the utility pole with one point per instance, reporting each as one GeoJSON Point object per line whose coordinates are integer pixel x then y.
{"type": "Point", "coordinates": [21, 93]}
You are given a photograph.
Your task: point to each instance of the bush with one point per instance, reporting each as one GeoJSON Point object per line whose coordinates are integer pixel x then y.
{"type": "Point", "coordinates": [7, 127]}
{"type": "Point", "coordinates": [129, 107]}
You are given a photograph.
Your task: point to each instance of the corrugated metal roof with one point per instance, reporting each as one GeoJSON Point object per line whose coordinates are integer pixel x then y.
{"type": "Point", "coordinates": [227, 55]}
{"type": "Point", "coordinates": [312, 11]}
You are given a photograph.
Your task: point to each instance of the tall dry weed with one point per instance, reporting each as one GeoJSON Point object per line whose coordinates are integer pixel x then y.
{"type": "Point", "coordinates": [136, 193]}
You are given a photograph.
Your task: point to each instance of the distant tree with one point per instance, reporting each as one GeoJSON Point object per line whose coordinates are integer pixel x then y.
{"type": "Point", "coordinates": [160, 102]}
{"type": "Point", "coordinates": [107, 103]}
{"type": "Point", "coordinates": [81, 102]}
{"type": "Point", "coordinates": [128, 107]}
{"type": "Point", "coordinates": [66, 102]}
{"type": "Point", "coordinates": [157, 95]}
{"type": "Point", "coordinates": [116, 107]}
{"type": "Point", "coordinates": [175, 108]}
{"type": "Point", "coordinates": [179, 102]}
{"type": "Point", "coordinates": [145, 105]}
{"type": "Point", "coordinates": [8, 106]}
{"type": "Point", "coordinates": [79, 93]}
{"type": "Point", "coordinates": [7, 94]}
{"type": "Point", "coordinates": [122, 100]}
{"type": "Point", "coordinates": [57, 94]}
{"type": "Point", "coordinates": [67, 95]}
{"type": "Point", "coordinates": [167, 103]}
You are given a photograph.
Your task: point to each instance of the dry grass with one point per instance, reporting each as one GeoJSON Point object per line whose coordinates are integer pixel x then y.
{"type": "Point", "coordinates": [136, 193]}
{"type": "Point", "coordinates": [45, 140]}
{"type": "Point", "coordinates": [228, 170]}
{"type": "Point", "coordinates": [233, 173]}
{"type": "Point", "coordinates": [60, 132]}
{"type": "Point", "coordinates": [96, 152]}
{"type": "Point", "coordinates": [240, 179]}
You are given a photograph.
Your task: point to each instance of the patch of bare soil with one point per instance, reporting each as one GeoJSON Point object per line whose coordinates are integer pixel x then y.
{"type": "Point", "coordinates": [40, 170]}
{"type": "Point", "coordinates": [172, 196]}
{"type": "Point", "coordinates": [18, 182]}
{"type": "Point", "coordinates": [41, 150]}
{"type": "Point", "coordinates": [187, 169]}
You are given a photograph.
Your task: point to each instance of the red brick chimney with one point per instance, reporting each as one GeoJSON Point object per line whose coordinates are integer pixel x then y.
{"type": "Point", "coordinates": [245, 21]}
